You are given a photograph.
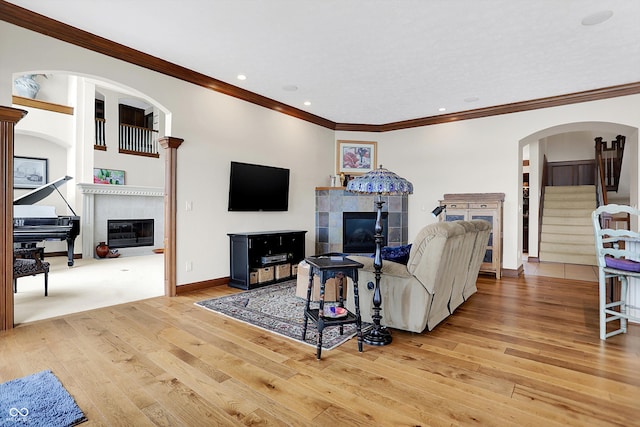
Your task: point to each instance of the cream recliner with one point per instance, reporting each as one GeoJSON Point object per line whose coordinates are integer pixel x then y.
{"type": "Point", "coordinates": [441, 274]}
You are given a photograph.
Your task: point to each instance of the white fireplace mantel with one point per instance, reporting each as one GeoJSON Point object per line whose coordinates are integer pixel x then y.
{"type": "Point", "coordinates": [120, 190]}
{"type": "Point", "coordinates": [93, 227]}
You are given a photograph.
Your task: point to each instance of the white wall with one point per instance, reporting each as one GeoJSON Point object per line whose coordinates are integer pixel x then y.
{"type": "Point", "coordinates": [216, 129]}
{"type": "Point", "coordinates": [139, 170]}
{"type": "Point", "coordinates": [481, 155]}
{"type": "Point", "coordinates": [574, 145]}
{"type": "Point", "coordinates": [484, 156]}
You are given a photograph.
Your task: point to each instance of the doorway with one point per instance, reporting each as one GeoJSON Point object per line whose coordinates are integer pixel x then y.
{"type": "Point", "coordinates": [58, 154]}
{"type": "Point", "coordinates": [558, 143]}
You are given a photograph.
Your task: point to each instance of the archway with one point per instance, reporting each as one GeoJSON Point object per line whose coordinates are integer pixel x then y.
{"type": "Point", "coordinates": [85, 89]}
{"type": "Point", "coordinates": [536, 148]}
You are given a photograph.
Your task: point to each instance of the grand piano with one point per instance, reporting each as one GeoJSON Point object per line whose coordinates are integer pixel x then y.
{"type": "Point", "coordinates": [35, 223]}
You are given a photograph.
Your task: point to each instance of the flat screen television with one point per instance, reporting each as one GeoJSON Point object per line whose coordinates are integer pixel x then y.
{"type": "Point", "coordinates": [254, 188]}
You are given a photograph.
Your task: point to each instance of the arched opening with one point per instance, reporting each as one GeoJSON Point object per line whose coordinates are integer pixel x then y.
{"type": "Point", "coordinates": [68, 141]}
{"type": "Point", "coordinates": [562, 142]}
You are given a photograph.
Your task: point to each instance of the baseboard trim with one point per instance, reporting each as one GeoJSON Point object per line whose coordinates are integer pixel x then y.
{"type": "Point", "coordinates": [205, 284]}
{"type": "Point", "coordinates": [533, 259]}
{"type": "Point", "coordinates": [508, 272]}
{"type": "Point", "coordinates": [61, 253]}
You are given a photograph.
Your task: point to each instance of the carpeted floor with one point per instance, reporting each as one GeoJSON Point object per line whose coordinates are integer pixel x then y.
{"type": "Point", "coordinates": [90, 283]}
{"type": "Point", "coordinates": [277, 309]}
{"type": "Point", "coordinates": [38, 400]}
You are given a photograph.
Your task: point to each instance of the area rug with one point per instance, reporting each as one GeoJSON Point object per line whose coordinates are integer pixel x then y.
{"type": "Point", "coordinates": [277, 309]}
{"type": "Point", "coordinates": [38, 400]}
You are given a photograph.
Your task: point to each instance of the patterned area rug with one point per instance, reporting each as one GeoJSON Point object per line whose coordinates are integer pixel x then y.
{"type": "Point", "coordinates": [277, 309]}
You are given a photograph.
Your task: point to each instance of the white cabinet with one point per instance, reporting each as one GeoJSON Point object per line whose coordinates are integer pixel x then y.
{"type": "Point", "coordinates": [487, 206]}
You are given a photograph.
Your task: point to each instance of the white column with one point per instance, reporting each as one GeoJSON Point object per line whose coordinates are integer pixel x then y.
{"type": "Point", "coordinates": [87, 225]}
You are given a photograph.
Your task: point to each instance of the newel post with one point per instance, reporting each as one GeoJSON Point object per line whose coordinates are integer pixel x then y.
{"type": "Point", "coordinates": [8, 119]}
{"type": "Point", "coordinates": [170, 145]}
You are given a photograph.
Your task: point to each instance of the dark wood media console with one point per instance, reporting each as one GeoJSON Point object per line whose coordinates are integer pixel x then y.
{"type": "Point", "coordinates": [264, 257]}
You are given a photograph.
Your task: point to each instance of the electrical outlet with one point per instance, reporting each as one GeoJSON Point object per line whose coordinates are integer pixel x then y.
{"type": "Point", "coordinates": [189, 206]}
{"type": "Point", "coordinates": [189, 266]}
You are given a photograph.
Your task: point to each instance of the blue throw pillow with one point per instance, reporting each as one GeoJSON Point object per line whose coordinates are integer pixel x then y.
{"type": "Point", "coordinates": [399, 254]}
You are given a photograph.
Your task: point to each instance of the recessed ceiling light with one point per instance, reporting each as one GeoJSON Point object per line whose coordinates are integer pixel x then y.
{"type": "Point", "coordinates": [471, 99]}
{"type": "Point", "coordinates": [597, 18]}
{"type": "Point", "coordinates": [290, 88]}
{"type": "Point", "coordinates": [242, 77]}
{"type": "Point", "coordinates": [441, 109]}
{"type": "Point", "coordinates": [307, 103]}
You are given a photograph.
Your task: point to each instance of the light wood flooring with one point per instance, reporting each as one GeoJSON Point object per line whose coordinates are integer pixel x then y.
{"type": "Point", "coordinates": [520, 352]}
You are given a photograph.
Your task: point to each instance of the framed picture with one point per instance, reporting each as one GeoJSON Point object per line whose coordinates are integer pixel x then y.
{"type": "Point", "coordinates": [356, 157]}
{"type": "Point", "coordinates": [108, 176]}
{"type": "Point", "coordinates": [29, 172]}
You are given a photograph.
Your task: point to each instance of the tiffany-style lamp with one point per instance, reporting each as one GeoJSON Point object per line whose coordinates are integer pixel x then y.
{"type": "Point", "coordinates": [381, 182]}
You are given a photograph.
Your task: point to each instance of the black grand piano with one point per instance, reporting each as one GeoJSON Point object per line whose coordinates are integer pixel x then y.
{"type": "Point", "coordinates": [35, 223]}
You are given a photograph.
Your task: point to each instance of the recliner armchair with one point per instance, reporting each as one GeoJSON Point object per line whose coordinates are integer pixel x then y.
{"type": "Point", "coordinates": [440, 274]}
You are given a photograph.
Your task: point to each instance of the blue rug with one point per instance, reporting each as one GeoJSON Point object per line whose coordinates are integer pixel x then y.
{"type": "Point", "coordinates": [38, 400]}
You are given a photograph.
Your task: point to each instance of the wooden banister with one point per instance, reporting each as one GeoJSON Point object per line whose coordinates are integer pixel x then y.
{"type": "Point", "coordinates": [611, 160]}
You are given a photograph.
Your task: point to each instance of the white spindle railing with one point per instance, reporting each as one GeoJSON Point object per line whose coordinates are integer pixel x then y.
{"type": "Point", "coordinates": [100, 136]}
{"type": "Point", "coordinates": [137, 139]}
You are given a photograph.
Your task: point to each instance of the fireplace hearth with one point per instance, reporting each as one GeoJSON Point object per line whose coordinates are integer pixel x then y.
{"type": "Point", "coordinates": [359, 232]}
{"type": "Point", "coordinates": [129, 233]}
{"type": "Point", "coordinates": [103, 202]}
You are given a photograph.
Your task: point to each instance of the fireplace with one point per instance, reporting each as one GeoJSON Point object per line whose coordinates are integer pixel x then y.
{"type": "Point", "coordinates": [333, 203]}
{"type": "Point", "coordinates": [129, 233]}
{"type": "Point", "coordinates": [359, 231]}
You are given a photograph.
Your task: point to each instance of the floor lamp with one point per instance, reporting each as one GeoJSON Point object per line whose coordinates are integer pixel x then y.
{"type": "Point", "coordinates": [380, 182]}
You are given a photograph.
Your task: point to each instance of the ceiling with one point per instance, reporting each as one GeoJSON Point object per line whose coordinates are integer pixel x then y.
{"type": "Point", "coordinates": [378, 61]}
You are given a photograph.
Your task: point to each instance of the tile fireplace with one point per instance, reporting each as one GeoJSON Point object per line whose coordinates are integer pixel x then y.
{"type": "Point", "coordinates": [333, 202]}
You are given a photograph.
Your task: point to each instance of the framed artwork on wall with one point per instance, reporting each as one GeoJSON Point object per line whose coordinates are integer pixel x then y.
{"type": "Point", "coordinates": [30, 172]}
{"type": "Point", "coordinates": [108, 176]}
{"type": "Point", "coordinates": [356, 157]}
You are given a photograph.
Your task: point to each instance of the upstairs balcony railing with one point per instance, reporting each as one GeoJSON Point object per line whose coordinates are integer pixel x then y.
{"type": "Point", "coordinates": [131, 139]}
{"type": "Point", "coordinates": [101, 142]}
{"type": "Point", "coordinates": [138, 140]}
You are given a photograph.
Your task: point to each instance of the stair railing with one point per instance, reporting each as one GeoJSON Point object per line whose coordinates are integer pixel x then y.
{"type": "Point", "coordinates": [601, 183]}
{"type": "Point", "coordinates": [543, 185]}
{"type": "Point", "coordinates": [611, 160]}
{"type": "Point", "coordinates": [606, 220]}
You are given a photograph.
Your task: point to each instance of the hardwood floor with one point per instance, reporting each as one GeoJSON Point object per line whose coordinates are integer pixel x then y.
{"type": "Point", "coordinates": [520, 352]}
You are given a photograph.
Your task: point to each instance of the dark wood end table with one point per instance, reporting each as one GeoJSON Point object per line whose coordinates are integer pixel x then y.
{"type": "Point", "coordinates": [327, 267]}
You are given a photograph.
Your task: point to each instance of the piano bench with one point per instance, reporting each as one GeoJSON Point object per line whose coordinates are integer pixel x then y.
{"type": "Point", "coordinates": [30, 267]}
{"type": "Point", "coordinates": [29, 252]}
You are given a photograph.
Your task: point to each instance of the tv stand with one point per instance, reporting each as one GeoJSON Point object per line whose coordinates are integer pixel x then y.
{"type": "Point", "coordinates": [262, 258]}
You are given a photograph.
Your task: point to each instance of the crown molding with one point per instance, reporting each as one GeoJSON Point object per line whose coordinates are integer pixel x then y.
{"type": "Point", "coordinates": [41, 24]}
{"type": "Point", "coordinates": [534, 104]}
{"type": "Point", "coordinates": [50, 27]}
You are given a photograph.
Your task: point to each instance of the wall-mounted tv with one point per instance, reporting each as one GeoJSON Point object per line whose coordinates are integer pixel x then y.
{"type": "Point", "coordinates": [254, 188]}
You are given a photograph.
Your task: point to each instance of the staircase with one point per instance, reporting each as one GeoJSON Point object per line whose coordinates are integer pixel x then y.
{"type": "Point", "coordinates": [567, 233]}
